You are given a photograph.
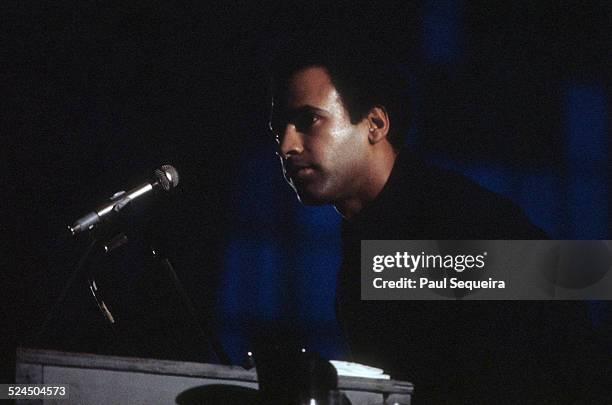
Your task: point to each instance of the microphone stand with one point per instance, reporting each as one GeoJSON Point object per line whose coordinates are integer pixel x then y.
{"type": "Point", "coordinates": [103, 243]}
{"type": "Point", "coordinates": [216, 347]}
{"type": "Point", "coordinates": [118, 202]}
{"type": "Point", "coordinates": [107, 245]}
{"type": "Point", "coordinates": [71, 280]}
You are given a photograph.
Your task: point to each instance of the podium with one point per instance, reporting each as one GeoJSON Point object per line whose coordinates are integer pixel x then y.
{"type": "Point", "coordinates": [97, 379]}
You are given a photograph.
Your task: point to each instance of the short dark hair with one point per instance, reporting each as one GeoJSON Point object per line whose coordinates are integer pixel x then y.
{"type": "Point", "coordinates": [364, 75]}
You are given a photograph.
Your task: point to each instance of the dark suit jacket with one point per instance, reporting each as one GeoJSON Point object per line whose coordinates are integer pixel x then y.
{"type": "Point", "coordinates": [461, 351]}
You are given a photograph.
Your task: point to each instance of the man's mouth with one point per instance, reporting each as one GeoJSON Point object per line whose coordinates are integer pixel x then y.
{"type": "Point", "coordinates": [300, 171]}
{"type": "Point", "coordinates": [303, 172]}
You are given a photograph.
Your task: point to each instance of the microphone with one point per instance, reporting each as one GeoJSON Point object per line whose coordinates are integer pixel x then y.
{"type": "Point", "coordinates": [166, 177]}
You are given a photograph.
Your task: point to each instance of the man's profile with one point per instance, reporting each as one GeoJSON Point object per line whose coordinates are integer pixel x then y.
{"type": "Point", "coordinates": [326, 158]}
{"type": "Point", "coordinates": [339, 115]}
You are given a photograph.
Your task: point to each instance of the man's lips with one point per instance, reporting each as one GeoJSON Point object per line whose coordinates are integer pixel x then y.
{"type": "Point", "coordinates": [300, 171]}
{"type": "Point", "coordinates": [303, 172]}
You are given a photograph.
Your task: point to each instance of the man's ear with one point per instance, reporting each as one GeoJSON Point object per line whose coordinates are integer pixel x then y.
{"type": "Point", "coordinates": [378, 121]}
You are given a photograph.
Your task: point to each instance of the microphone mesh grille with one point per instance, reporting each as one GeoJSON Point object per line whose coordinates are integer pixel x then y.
{"type": "Point", "coordinates": [167, 176]}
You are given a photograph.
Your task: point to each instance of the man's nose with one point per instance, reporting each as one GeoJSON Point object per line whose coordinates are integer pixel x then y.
{"type": "Point", "coordinates": [291, 142]}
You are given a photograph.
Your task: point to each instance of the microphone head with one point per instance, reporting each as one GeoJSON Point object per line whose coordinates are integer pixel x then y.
{"type": "Point", "coordinates": [167, 177]}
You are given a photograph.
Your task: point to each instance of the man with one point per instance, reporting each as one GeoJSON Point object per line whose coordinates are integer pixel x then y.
{"type": "Point", "coordinates": [338, 117]}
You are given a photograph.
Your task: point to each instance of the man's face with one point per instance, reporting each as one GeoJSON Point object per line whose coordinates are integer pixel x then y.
{"type": "Point", "coordinates": [322, 153]}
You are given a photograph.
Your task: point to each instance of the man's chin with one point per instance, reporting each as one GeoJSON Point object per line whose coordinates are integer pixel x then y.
{"type": "Point", "coordinates": [309, 194]}
{"type": "Point", "coordinates": [307, 197]}
{"type": "Point", "coordinates": [311, 200]}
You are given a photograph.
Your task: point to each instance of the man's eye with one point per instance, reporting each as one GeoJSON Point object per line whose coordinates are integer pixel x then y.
{"type": "Point", "coordinates": [305, 121]}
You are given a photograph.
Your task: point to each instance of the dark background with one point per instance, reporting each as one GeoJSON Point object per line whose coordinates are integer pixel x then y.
{"type": "Point", "coordinates": [95, 95]}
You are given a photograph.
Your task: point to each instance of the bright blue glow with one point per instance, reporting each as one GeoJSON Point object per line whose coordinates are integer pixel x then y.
{"type": "Point", "coordinates": [317, 259]}
{"type": "Point", "coordinates": [316, 270]}
{"type": "Point", "coordinates": [250, 286]}
{"type": "Point", "coordinates": [317, 222]}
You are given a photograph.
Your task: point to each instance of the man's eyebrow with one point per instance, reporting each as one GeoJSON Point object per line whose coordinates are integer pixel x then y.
{"type": "Point", "coordinates": [305, 108]}
{"type": "Point", "coordinates": [293, 113]}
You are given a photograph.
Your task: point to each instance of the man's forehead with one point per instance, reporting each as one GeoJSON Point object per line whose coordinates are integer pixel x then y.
{"type": "Point", "coordinates": [308, 86]}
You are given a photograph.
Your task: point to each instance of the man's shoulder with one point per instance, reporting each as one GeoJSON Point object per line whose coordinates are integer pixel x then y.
{"type": "Point", "coordinates": [459, 192]}
{"type": "Point", "coordinates": [457, 206]}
